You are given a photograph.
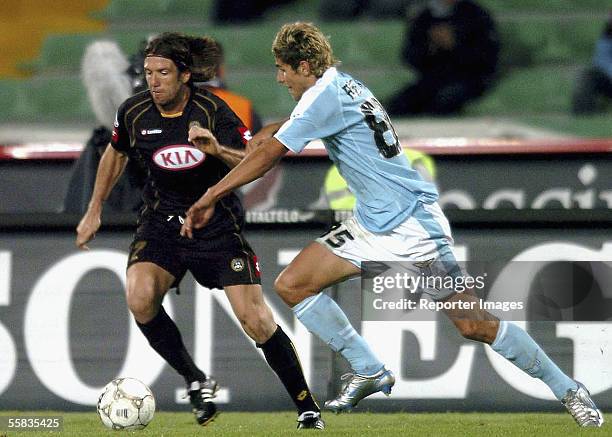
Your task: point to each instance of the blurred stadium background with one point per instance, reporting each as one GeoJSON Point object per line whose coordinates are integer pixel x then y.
{"type": "Point", "coordinates": [520, 178]}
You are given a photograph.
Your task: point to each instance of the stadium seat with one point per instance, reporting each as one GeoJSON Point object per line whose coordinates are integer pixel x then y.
{"type": "Point", "coordinates": [546, 41]}
{"type": "Point", "coordinates": [542, 46]}
{"type": "Point", "coordinates": [154, 11]}
{"type": "Point", "coordinates": [42, 99]}
{"type": "Point", "coordinates": [368, 44]}
{"type": "Point", "coordinates": [542, 89]}
{"type": "Point", "coordinates": [500, 7]}
{"type": "Point", "coordinates": [250, 46]}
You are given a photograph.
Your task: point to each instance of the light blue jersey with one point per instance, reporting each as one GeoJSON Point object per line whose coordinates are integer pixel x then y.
{"type": "Point", "coordinates": [360, 139]}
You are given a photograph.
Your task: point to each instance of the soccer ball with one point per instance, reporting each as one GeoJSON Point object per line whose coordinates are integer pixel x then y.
{"type": "Point", "coordinates": [126, 403]}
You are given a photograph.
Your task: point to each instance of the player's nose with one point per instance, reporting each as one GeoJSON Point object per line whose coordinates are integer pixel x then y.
{"type": "Point", "coordinates": [153, 80]}
{"type": "Point", "coordinates": [280, 77]}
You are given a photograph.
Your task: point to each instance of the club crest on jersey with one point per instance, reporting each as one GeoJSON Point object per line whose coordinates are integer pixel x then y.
{"type": "Point", "coordinates": [237, 264]}
{"type": "Point", "coordinates": [178, 157]}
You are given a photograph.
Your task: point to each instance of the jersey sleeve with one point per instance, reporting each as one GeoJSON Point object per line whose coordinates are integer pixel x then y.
{"type": "Point", "coordinates": [229, 129]}
{"type": "Point", "coordinates": [120, 139]}
{"type": "Point", "coordinates": [315, 116]}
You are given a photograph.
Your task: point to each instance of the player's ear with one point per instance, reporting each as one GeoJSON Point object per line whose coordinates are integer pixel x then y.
{"type": "Point", "coordinates": [304, 68]}
{"type": "Point", "coordinates": [185, 76]}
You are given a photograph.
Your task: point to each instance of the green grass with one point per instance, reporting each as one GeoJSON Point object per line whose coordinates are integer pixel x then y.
{"type": "Point", "coordinates": [355, 424]}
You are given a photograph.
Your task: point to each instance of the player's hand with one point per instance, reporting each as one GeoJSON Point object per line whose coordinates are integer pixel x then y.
{"type": "Point", "coordinates": [204, 140]}
{"type": "Point", "coordinates": [87, 228]}
{"type": "Point", "coordinates": [198, 215]}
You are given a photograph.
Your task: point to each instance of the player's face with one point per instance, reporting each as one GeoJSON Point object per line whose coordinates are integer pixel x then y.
{"type": "Point", "coordinates": [296, 81]}
{"type": "Point", "coordinates": [164, 80]}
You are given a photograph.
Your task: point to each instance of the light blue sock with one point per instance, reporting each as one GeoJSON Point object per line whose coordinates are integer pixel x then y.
{"type": "Point", "coordinates": [324, 318]}
{"type": "Point", "coordinates": [517, 346]}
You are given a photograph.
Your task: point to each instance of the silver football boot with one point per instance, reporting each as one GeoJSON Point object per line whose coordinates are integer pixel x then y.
{"type": "Point", "coordinates": [358, 387]}
{"type": "Point", "coordinates": [582, 408]}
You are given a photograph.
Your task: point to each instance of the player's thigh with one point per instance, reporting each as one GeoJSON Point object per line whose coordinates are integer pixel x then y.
{"type": "Point", "coordinates": [313, 269]}
{"type": "Point", "coordinates": [148, 281]}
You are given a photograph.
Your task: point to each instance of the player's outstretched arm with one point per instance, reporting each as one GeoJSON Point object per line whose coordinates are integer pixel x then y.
{"type": "Point", "coordinates": [205, 141]}
{"type": "Point", "coordinates": [264, 133]}
{"type": "Point", "coordinates": [110, 168]}
{"type": "Point", "coordinates": [253, 166]}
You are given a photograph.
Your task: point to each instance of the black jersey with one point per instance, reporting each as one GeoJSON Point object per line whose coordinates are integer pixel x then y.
{"type": "Point", "coordinates": [178, 174]}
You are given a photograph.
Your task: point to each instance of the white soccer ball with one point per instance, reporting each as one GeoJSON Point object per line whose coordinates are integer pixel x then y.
{"type": "Point", "coordinates": [126, 403]}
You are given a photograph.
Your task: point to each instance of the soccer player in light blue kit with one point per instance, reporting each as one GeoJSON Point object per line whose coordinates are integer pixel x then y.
{"type": "Point", "coordinates": [396, 218]}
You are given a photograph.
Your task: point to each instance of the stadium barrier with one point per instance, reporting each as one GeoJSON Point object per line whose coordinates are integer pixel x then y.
{"type": "Point", "coordinates": [64, 326]}
{"type": "Point", "coordinates": [472, 174]}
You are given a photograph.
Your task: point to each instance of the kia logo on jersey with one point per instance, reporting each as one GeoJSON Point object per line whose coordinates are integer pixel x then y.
{"type": "Point", "coordinates": [178, 157]}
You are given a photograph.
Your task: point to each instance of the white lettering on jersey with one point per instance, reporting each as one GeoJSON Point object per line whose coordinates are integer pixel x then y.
{"type": "Point", "coordinates": [150, 131]}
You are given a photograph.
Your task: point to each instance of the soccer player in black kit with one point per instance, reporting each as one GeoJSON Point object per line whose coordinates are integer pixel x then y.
{"type": "Point", "coordinates": [162, 129]}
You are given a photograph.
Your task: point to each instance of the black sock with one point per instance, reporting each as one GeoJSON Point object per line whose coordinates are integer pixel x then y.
{"type": "Point", "coordinates": [164, 336]}
{"type": "Point", "coordinates": [282, 358]}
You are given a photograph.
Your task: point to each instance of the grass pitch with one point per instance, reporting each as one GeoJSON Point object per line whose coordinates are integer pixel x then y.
{"type": "Point", "coordinates": [354, 424]}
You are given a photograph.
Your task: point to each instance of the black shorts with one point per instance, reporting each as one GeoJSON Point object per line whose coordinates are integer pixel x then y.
{"type": "Point", "coordinates": [215, 261]}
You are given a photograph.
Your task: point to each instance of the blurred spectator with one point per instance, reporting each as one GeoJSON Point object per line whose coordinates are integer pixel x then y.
{"type": "Point", "coordinates": [594, 84]}
{"type": "Point", "coordinates": [109, 79]}
{"type": "Point", "coordinates": [347, 9]}
{"type": "Point", "coordinates": [336, 194]}
{"type": "Point", "coordinates": [209, 71]}
{"type": "Point", "coordinates": [242, 11]}
{"type": "Point", "coordinates": [454, 47]}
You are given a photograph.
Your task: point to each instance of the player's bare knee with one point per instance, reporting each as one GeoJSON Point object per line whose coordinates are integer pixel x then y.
{"type": "Point", "coordinates": [141, 299]}
{"type": "Point", "coordinates": [143, 310]}
{"type": "Point", "coordinates": [288, 289]}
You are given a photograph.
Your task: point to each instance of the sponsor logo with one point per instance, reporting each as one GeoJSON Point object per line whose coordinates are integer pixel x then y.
{"type": "Point", "coordinates": [115, 136]}
{"type": "Point", "coordinates": [61, 272]}
{"type": "Point", "coordinates": [302, 395]}
{"type": "Point", "coordinates": [245, 134]}
{"type": "Point", "coordinates": [150, 131]}
{"type": "Point", "coordinates": [237, 264]}
{"type": "Point", "coordinates": [280, 216]}
{"type": "Point", "coordinates": [178, 157]}
{"type": "Point", "coordinates": [566, 197]}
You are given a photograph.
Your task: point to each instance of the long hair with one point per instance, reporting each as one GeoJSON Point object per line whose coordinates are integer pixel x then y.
{"type": "Point", "coordinates": [207, 57]}
{"type": "Point", "coordinates": [301, 41]}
